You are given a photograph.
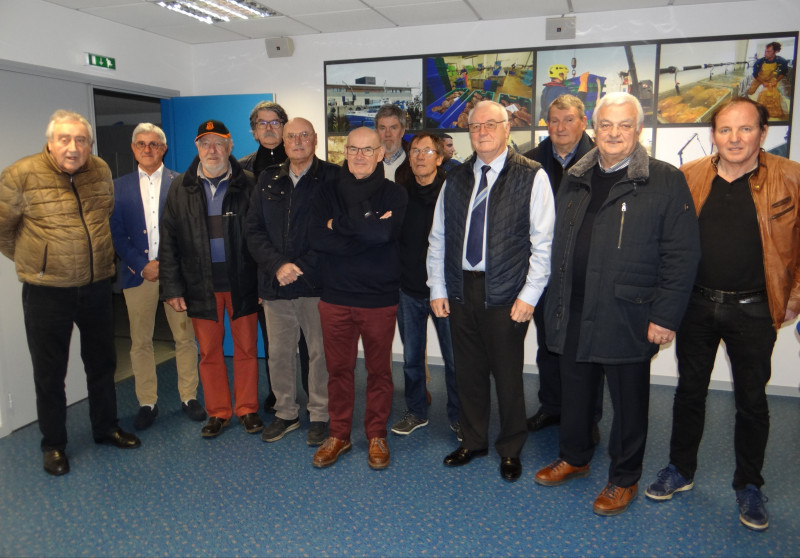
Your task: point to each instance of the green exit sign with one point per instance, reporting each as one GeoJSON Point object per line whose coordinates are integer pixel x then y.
{"type": "Point", "coordinates": [102, 61]}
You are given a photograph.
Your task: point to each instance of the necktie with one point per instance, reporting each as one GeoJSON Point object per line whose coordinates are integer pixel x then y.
{"type": "Point", "coordinates": [475, 235]}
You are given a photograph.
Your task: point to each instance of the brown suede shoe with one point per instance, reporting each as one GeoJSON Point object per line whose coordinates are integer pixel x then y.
{"type": "Point", "coordinates": [559, 472]}
{"type": "Point", "coordinates": [378, 453]}
{"type": "Point", "coordinates": [330, 450]}
{"type": "Point", "coordinates": [614, 499]}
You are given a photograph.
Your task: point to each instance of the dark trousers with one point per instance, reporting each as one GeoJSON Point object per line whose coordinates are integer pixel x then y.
{"type": "Point", "coordinates": [549, 372]}
{"type": "Point", "coordinates": [302, 348]}
{"type": "Point", "coordinates": [629, 388]}
{"type": "Point", "coordinates": [749, 339]}
{"type": "Point", "coordinates": [341, 328]}
{"type": "Point", "coordinates": [50, 313]}
{"type": "Point", "coordinates": [488, 343]}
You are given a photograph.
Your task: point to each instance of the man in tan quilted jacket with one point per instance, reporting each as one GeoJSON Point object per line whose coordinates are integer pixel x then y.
{"type": "Point", "coordinates": [54, 224]}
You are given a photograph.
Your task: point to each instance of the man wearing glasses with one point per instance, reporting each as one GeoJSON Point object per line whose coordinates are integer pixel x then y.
{"type": "Point", "coordinates": [289, 277]}
{"type": "Point", "coordinates": [355, 225]}
{"type": "Point", "coordinates": [488, 263]}
{"type": "Point", "coordinates": [267, 120]}
{"type": "Point", "coordinates": [138, 204]}
{"type": "Point", "coordinates": [625, 251]}
{"type": "Point", "coordinates": [207, 271]}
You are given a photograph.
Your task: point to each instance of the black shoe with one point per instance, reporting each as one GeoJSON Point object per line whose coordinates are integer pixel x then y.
{"type": "Point", "coordinates": [145, 417]}
{"type": "Point", "coordinates": [595, 434]}
{"type": "Point", "coordinates": [462, 456]}
{"type": "Point", "coordinates": [55, 462]}
{"type": "Point", "coordinates": [194, 410]}
{"type": "Point", "coordinates": [278, 428]}
{"type": "Point", "coordinates": [213, 427]}
{"type": "Point", "coordinates": [269, 404]}
{"type": "Point", "coordinates": [542, 420]}
{"type": "Point", "coordinates": [252, 423]}
{"type": "Point", "coordinates": [317, 433]}
{"type": "Point", "coordinates": [510, 468]}
{"type": "Point", "coordinates": [121, 439]}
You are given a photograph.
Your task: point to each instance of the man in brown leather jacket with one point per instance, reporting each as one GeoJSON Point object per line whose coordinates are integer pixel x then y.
{"type": "Point", "coordinates": [747, 285]}
{"type": "Point", "coordinates": [54, 213]}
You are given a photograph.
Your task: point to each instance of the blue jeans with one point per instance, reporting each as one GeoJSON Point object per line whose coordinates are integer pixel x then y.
{"type": "Point", "coordinates": [412, 323]}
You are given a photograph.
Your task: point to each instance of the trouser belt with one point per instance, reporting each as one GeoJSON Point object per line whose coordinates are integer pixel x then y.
{"type": "Point", "coordinates": [731, 297]}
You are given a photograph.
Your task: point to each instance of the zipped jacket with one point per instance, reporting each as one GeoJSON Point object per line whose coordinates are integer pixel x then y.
{"type": "Point", "coordinates": [642, 261]}
{"type": "Point", "coordinates": [775, 188]}
{"type": "Point", "coordinates": [55, 226]}
{"type": "Point", "coordinates": [277, 228]}
{"type": "Point", "coordinates": [184, 251]}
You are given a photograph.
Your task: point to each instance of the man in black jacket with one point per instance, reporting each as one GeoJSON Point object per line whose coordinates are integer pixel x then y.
{"type": "Point", "coordinates": [566, 144]}
{"type": "Point", "coordinates": [207, 271]}
{"type": "Point", "coordinates": [625, 251]}
{"type": "Point", "coordinates": [355, 226]}
{"type": "Point", "coordinates": [289, 277]}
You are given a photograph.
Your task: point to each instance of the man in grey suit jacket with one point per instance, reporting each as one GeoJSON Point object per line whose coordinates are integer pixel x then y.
{"type": "Point", "coordinates": [138, 204]}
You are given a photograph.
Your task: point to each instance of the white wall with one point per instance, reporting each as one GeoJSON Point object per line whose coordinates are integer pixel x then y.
{"type": "Point", "coordinates": [243, 67]}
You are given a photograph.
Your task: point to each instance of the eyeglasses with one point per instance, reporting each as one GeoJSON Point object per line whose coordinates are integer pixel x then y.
{"type": "Point", "coordinates": [366, 151]}
{"type": "Point", "coordinates": [606, 126]}
{"type": "Point", "coordinates": [270, 123]}
{"type": "Point", "coordinates": [305, 137]}
{"type": "Point", "coordinates": [205, 144]}
{"type": "Point", "coordinates": [426, 152]}
{"type": "Point", "coordinates": [140, 145]}
{"type": "Point", "coordinates": [490, 125]}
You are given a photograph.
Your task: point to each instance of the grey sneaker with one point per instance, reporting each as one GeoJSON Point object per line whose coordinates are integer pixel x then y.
{"type": "Point", "coordinates": [752, 512]}
{"type": "Point", "coordinates": [668, 482]}
{"type": "Point", "coordinates": [456, 427]}
{"type": "Point", "coordinates": [317, 433]}
{"type": "Point", "coordinates": [278, 428]}
{"type": "Point", "coordinates": [408, 424]}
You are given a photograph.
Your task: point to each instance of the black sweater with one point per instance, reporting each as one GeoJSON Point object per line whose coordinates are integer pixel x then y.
{"type": "Point", "coordinates": [414, 236]}
{"type": "Point", "coordinates": [360, 254]}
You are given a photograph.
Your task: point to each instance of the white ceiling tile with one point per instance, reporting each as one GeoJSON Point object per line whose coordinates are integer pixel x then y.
{"type": "Point", "coordinates": [295, 7]}
{"type": "Point", "coordinates": [142, 15]}
{"type": "Point", "coordinates": [81, 4]}
{"type": "Point", "coordinates": [513, 9]}
{"type": "Point", "coordinates": [452, 11]}
{"type": "Point", "coordinates": [611, 5]}
{"type": "Point", "coordinates": [197, 34]}
{"type": "Point", "coordinates": [352, 20]}
{"type": "Point", "coordinates": [379, 4]}
{"type": "Point", "coordinates": [262, 28]}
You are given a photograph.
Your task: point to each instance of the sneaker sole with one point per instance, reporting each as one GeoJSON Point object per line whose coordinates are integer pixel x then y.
{"type": "Point", "coordinates": [575, 475]}
{"type": "Point", "coordinates": [323, 464]}
{"type": "Point", "coordinates": [665, 497]}
{"type": "Point", "coordinates": [293, 426]}
{"type": "Point", "coordinates": [407, 432]}
{"type": "Point", "coordinates": [753, 526]}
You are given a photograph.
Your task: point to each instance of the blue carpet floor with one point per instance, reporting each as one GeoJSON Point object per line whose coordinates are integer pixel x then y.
{"type": "Point", "coordinates": [181, 495]}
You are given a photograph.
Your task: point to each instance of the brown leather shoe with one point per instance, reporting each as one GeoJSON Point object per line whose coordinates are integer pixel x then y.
{"type": "Point", "coordinates": [614, 499]}
{"type": "Point", "coordinates": [330, 450]}
{"type": "Point", "coordinates": [559, 472]}
{"type": "Point", "coordinates": [378, 453]}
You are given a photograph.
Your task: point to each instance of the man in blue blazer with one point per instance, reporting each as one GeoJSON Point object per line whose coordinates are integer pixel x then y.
{"type": "Point", "coordinates": [139, 201]}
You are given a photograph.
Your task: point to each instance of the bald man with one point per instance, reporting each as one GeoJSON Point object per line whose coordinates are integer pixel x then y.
{"type": "Point", "coordinates": [355, 226]}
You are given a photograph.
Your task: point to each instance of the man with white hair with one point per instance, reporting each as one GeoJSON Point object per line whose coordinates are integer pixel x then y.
{"type": "Point", "coordinates": [625, 250]}
{"type": "Point", "coordinates": [138, 204]}
{"type": "Point", "coordinates": [54, 212]}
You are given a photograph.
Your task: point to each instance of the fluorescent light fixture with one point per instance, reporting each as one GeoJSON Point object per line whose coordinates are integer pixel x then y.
{"type": "Point", "coordinates": [214, 11]}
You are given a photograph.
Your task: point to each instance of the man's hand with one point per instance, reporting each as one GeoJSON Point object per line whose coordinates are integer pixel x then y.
{"type": "Point", "coordinates": [386, 215]}
{"type": "Point", "coordinates": [521, 311]}
{"type": "Point", "coordinates": [440, 307]}
{"type": "Point", "coordinates": [150, 271]}
{"type": "Point", "coordinates": [789, 316]}
{"type": "Point", "coordinates": [659, 335]}
{"type": "Point", "coordinates": [287, 274]}
{"type": "Point", "coordinates": [178, 304]}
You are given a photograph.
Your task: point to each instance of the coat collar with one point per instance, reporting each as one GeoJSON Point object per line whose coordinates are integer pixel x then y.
{"type": "Point", "coordinates": [638, 169]}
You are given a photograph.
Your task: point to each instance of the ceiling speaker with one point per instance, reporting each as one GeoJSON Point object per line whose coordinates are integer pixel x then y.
{"type": "Point", "coordinates": [280, 47]}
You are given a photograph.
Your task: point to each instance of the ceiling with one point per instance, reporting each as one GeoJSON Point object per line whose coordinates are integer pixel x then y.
{"type": "Point", "coordinates": [308, 17]}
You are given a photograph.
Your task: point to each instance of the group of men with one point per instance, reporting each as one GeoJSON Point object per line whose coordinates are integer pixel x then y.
{"type": "Point", "coordinates": [611, 252]}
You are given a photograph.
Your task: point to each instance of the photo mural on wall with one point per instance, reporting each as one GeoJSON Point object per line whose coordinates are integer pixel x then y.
{"type": "Point", "coordinates": [678, 82]}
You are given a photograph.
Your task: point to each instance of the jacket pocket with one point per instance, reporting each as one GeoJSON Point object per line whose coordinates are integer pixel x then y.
{"type": "Point", "coordinates": [44, 262]}
{"type": "Point", "coordinates": [784, 212]}
{"type": "Point", "coordinates": [635, 294]}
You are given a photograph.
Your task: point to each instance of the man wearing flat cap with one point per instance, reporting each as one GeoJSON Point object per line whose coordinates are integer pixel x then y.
{"type": "Point", "coordinates": [206, 270]}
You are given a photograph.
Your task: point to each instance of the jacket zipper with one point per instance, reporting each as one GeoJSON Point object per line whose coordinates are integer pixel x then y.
{"type": "Point", "coordinates": [623, 209]}
{"type": "Point", "coordinates": [85, 228]}
{"type": "Point", "coordinates": [44, 262]}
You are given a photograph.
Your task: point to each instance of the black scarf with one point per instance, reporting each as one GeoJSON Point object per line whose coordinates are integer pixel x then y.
{"type": "Point", "coordinates": [430, 193]}
{"type": "Point", "coordinates": [356, 192]}
{"type": "Point", "coordinates": [267, 157]}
